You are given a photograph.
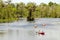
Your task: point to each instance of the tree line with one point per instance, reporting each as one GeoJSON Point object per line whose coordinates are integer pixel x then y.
{"type": "Point", "coordinates": [11, 12]}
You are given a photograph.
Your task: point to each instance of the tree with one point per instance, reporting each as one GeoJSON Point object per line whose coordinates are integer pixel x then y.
{"type": "Point", "coordinates": [8, 1]}
{"type": "Point", "coordinates": [50, 3]}
{"type": "Point", "coordinates": [21, 9]}
{"type": "Point", "coordinates": [31, 8]}
{"type": "Point", "coordinates": [43, 10]}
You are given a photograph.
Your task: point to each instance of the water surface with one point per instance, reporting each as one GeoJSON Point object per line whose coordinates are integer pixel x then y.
{"type": "Point", "coordinates": [23, 30]}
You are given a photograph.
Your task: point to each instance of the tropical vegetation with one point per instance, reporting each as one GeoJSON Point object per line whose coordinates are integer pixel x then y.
{"type": "Point", "coordinates": [11, 12]}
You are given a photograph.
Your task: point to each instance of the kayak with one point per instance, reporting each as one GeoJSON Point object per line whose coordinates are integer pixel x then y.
{"type": "Point", "coordinates": [41, 33]}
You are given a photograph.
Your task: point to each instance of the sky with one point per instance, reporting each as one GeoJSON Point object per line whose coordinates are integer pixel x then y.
{"type": "Point", "coordinates": [36, 1]}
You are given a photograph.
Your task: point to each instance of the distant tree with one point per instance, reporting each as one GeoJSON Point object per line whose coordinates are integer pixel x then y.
{"type": "Point", "coordinates": [31, 8]}
{"type": "Point", "coordinates": [20, 9]}
{"type": "Point", "coordinates": [10, 11]}
{"type": "Point", "coordinates": [8, 1]}
{"type": "Point", "coordinates": [50, 3]}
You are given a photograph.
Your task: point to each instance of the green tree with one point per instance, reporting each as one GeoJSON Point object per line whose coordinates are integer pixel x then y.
{"type": "Point", "coordinates": [31, 8]}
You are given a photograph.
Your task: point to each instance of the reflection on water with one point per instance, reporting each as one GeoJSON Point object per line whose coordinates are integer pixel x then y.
{"type": "Point", "coordinates": [3, 36]}
{"type": "Point", "coordinates": [29, 34]}
{"type": "Point", "coordinates": [23, 30]}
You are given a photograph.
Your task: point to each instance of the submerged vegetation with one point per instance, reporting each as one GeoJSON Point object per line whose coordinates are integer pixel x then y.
{"type": "Point", "coordinates": [11, 12]}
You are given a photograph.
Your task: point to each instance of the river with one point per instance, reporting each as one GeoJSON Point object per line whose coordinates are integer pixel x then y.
{"type": "Point", "coordinates": [24, 30]}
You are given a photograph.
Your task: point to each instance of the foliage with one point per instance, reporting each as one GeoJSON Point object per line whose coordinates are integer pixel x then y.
{"type": "Point", "coordinates": [10, 12]}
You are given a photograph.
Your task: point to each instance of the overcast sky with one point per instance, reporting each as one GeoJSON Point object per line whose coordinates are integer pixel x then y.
{"type": "Point", "coordinates": [36, 1]}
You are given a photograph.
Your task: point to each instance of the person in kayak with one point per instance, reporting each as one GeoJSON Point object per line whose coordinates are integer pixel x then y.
{"type": "Point", "coordinates": [41, 33]}
{"type": "Point", "coordinates": [35, 29]}
{"type": "Point", "coordinates": [38, 32]}
{"type": "Point", "coordinates": [35, 26]}
{"type": "Point", "coordinates": [43, 24]}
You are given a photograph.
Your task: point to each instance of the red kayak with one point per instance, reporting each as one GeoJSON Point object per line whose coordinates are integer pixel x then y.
{"type": "Point", "coordinates": [42, 33]}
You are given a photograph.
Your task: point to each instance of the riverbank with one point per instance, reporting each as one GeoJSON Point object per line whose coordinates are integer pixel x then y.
{"type": "Point", "coordinates": [8, 20]}
{"type": "Point", "coordinates": [18, 19]}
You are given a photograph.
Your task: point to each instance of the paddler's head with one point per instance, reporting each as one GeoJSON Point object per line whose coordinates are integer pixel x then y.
{"type": "Point", "coordinates": [35, 26]}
